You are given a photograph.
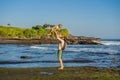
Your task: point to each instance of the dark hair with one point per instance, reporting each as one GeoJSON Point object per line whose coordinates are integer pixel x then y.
{"type": "Point", "coordinates": [65, 43]}
{"type": "Point", "coordinates": [59, 24]}
{"type": "Point", "coordinates": [65, 39]}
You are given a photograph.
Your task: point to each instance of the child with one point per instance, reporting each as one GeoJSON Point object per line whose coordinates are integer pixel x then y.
{"type": "Point", "coordinates": [55, 29]}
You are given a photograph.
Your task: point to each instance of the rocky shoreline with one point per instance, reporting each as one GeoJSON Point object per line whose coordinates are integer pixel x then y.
{"type": "Point", "coordinates": [70, 40]}
{"type": "Point", "coordinates": [52, 73]}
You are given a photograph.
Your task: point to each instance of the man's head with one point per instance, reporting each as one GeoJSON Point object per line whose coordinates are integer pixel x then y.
{"type": "Point", "coordinates": [64, 38]}
{"type": "Point", "coordinates": [60, 25]}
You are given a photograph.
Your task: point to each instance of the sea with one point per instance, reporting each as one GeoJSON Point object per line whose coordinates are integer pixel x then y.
{"type": "Point", "coordinates": [45, 55]}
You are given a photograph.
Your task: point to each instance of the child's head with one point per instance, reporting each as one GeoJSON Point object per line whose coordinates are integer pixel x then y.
{"type": "Point", "coordinates": [60, 25]}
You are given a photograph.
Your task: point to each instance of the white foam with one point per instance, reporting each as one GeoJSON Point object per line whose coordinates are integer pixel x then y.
{"type": "Point", "coordinates": [43, 47]}
{"type": "Point", "coordinates": [38, 47]}
{"type": "Point", "coordinates": [110, 42]}
{"type": "Point", "coordinates": [101, 50]}
{"type": "Point", "coordinates": [93, 50]}
{"type": "Point", "coordinates": [72, 50]}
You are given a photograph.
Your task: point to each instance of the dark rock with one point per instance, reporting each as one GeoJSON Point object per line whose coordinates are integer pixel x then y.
{"type": "Point", "coordinates": [70, 40]}
{"type": "Point", "coordinates": [83, 40]}
{"type": "Point", "coordinates": [25, 57]}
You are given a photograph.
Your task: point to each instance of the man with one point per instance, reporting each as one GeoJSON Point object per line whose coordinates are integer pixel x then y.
{"type": "Point", "coordinates": [55, 29]}
{"type": "Point", "coordinates": [61, 47]}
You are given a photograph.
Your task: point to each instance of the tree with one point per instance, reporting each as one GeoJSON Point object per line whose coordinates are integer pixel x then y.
{"type": "Point", "coordinates": [9, 25]}
{"type": "Point", "coordinates": [52, 25]}
{"type": "Point", "coordinates": [2, 34]}
{"type": "Point", "coordinates": [37, 27]}
{"type": "Point", "coordinates": [64, 32]}
{"type": "Point", "coordinates": [28, 33]}
{"type": "Point", "coordinates": [46, 26]}
{"type": "Point", "coordinates": [35, 32]}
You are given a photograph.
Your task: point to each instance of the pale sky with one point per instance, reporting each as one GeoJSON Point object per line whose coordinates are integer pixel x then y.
{"type": "Point", "coordinates": [91, 18]}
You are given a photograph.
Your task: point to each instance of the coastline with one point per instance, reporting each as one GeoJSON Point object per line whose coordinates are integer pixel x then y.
{"type": "Point", "coordinates": [69, 73]}
{"type": "Point", "coordinates": [70, 40]}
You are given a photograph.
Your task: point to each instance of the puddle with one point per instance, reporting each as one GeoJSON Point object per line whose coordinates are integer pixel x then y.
{"type": "Point", "coordinates": [77, 72]}
{"type": "Point", "coordinates": [47, 73]}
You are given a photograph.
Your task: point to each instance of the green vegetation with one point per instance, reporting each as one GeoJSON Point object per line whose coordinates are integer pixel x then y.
{"type": "Point", "coordinates": [37, 31]}
{"type": "Point", "coordinates": [69, 73]}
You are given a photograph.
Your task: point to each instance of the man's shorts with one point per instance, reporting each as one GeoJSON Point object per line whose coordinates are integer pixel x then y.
{"type": "Point", "coordinates": [59, 54]}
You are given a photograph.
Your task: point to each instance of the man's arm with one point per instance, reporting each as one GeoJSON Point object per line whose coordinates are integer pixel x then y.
{"type": "Point", "coordinates": [58, 35]}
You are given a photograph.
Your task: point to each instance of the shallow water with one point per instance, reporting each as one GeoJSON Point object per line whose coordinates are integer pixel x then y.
{"type": "Point", "coordinates": [107, 55]}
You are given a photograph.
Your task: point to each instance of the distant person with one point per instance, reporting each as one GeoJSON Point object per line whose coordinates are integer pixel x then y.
{"type": "Point", "coordinates": [61, 47]}
{"type": "Point", "coordinates": [55, 29]}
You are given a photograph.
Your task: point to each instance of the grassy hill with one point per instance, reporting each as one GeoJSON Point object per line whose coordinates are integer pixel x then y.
{"type": "Point", "coordinates": [34, 32]}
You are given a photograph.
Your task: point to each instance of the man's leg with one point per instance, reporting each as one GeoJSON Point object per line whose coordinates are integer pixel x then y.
{"type": "Point", "coordinates": [60, 59]}
{"type": "Point", "coordinates": [61, 64]}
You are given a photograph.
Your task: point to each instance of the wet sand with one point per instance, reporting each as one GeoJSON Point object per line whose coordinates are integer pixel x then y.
{"type": "Point", "coordinates": [69, 73]}
{"type": "Point", "coordinates": [46, 61]}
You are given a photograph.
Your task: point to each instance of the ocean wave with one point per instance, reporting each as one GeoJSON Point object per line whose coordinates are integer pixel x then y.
{"type": "Point", "coordinates": [103, 51]}
{"type": "Point", "coordinates": [43, 47]}
{"type": "Point", "coordinates": [93, 50]}
{"type": "Point", "coordinates": [38, 47]}
{"type": "Point", "coordinates": [110, 42]}
{"type": "Point", "coordinates": [100, 50]}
